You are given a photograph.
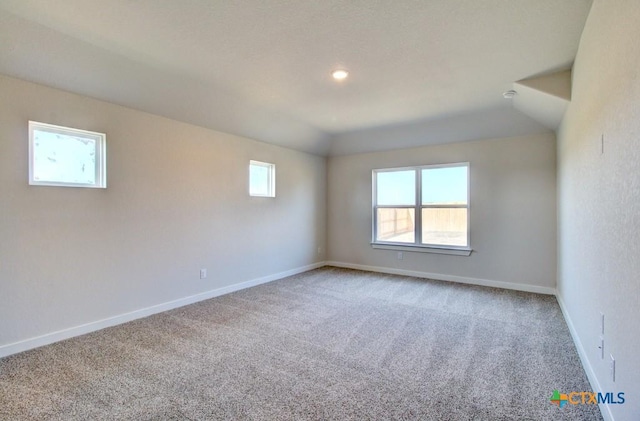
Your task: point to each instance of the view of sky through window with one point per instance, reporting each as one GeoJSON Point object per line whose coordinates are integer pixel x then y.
{"type": "Point", "coordinates": [262, 179]}
{"type": "Point", "coordinates": [396, 188]}
{"type": "Point", "coordinates": [444, 185]}
{"type": "Point", "coordinates": [259, 180]}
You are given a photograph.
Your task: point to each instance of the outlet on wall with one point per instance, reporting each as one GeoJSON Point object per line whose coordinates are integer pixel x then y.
{"type": "Point", "coordinates": [400, 256]}
{"type": "Point", "coordinates": [203, 273]}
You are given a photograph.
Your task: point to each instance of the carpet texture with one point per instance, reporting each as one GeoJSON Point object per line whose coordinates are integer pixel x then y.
{"type": "Point", "coordinates": [329, 344]}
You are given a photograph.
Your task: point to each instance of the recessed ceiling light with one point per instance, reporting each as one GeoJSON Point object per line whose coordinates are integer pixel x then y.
{"type": "Point", "coordinates": [509, 94]}
{"type": "Point", "coordinates": [340, 74]}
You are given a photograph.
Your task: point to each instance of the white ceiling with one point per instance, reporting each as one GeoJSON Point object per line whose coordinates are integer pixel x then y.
{"type": "Point", "coordinates": [261, 69]}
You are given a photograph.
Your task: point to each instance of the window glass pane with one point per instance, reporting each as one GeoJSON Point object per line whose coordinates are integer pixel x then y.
{"type": "Point", "coordinates": [259, 180]}
{"type": "Point", "coordinates": [444, 186]}
{"type": "Point", "coordinates": [396, 187]}
{"type": "Point", "coordinates": [444, 226]}
{"type": "Point", "coordinates": [63, 158]}
{"type": "Point", "coordinates": [396, 225]}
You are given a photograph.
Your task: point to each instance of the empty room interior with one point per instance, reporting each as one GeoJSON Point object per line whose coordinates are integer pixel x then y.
{"type": "Point", "coordinates": [320, 210]}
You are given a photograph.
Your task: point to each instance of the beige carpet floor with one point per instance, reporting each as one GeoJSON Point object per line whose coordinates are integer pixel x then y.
{"type": "Point", "coordinates": [329, 344]}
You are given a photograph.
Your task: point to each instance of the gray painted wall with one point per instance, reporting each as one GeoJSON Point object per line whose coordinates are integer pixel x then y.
{"type": "Point", "coordinates": [513, 211]}
{"type": "Point", "coordinates": [599, 199]}
{"type": "Point", "coordinates": [177, 201]}
{"type": "Point", "coordinates": [492, 123]}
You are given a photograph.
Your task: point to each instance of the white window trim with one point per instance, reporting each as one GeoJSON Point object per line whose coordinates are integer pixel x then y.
{"type": "Point", "coordinates": [417, 246]}
{"type": "Point", "coordinates": [100, 159]}
{"type": "Point", "coordinates": [452, 250]}
{"type": "Point", "coordinates": [272, 178]}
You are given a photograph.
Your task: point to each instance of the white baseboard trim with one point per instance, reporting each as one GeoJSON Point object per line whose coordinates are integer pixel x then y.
{"type": "Point", "coordinates": [49, 338]}
{"type": "Point", "coordinates": [591, 374]}
{"type": "Point", "coordinates": [451, 278]}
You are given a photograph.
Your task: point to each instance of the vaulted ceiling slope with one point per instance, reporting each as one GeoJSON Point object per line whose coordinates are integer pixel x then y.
{"type": "Point", "coordinates": [261, 68]}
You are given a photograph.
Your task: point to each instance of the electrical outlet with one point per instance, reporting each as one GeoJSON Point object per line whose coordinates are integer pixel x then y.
{"type": "Point", "coordinates": [319, 251]}
{"type": "Point", "coordinates": [203, 273]}
{"type": "Point", "coordinates": [612, 368]}
{"type": "Point", "coordinates": [400, 256]}
{"type": "Point", "coordinates": [601, 347]}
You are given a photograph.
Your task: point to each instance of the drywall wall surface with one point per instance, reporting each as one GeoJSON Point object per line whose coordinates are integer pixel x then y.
{"type": "Point", "coordinates": [177, 201]}
{"type": "Point", "coordinates": [504, 121]}
{"type": "Point", "coordinates": [599, 200]}
{"type": "Point", "coordinates": [512, 219]}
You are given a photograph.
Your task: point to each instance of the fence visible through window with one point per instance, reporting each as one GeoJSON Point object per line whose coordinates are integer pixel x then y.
{"type": "Point", "coordinates": [396, 225]}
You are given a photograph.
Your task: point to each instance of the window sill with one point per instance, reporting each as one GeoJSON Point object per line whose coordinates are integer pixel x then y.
{"type": "Point", "coordinates": [457, 251]}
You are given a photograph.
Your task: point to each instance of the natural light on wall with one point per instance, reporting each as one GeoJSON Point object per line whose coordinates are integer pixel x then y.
{"type": "Point", "coordinates": [63, 156]}
{"type": "Point", "coordinates": [262, 179]}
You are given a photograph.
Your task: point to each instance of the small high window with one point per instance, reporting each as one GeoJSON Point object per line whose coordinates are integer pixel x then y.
{"type": "Point", "coordinates": [262, 179]}
{"type": "Point", "coordinates": [62, 156]}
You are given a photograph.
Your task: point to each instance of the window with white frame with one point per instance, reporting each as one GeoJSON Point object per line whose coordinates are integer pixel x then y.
{"type": "Point", "coordinates": [63, 156]}
{"type": "Point", "coordinates": [262, 179]}
{"type": "Point", "coordinates": [424, 206]}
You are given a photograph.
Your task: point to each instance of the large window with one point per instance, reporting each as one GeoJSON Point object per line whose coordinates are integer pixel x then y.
{"type": "Point", "coordinates": [62, 156]}
{"type": "Point", "coordinates": [425, 207]}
